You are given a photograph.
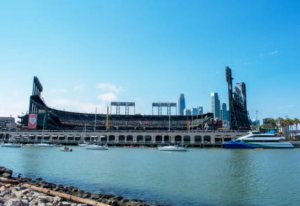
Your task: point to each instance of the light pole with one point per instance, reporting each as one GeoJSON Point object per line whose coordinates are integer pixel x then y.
{"type": "Point", "coordinates": [256, 121]}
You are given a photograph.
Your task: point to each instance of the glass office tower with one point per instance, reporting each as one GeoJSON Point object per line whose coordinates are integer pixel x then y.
{"type": "Point", "coordinates": [181, 104]}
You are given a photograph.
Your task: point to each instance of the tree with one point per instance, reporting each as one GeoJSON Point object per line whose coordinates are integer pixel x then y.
{"type": "Point", "coordinates": [296, 122]}
{"type": "Point", "coordinates": [272, 122]}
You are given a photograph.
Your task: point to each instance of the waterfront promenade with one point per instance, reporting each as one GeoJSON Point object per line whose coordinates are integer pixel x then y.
{"type": "Point", "coordinates": [189, 138]}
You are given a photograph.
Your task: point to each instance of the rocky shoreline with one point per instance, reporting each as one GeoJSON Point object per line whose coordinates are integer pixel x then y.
{"type": "Point", "coordinates": [16, 191]}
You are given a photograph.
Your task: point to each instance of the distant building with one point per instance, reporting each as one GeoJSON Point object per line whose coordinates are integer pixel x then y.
{"type": "Point", "coordinates": [187, 112]}
{"type": "Point", "coordinates": [215, 105]}
{"type": "Point", "coordinates": [224, 112]}
{"type": "Point", "coordinates": [255, 122]}
{"type": "Point", "coordinates": [194, 111]}
{"type": "Point", "coordinates": [181, 104]}
{"type": "Point", "coordinates": [5, 122]}
{"type": "Point", "coordinates": [200, 110]}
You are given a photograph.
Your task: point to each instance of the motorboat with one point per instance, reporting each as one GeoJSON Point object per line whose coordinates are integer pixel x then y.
{"type": "Point", "coordinates": [83, 145]}
{"type": "Point", "coordinates": [66, 149]}
{"type": "Point", "coordinates": [43, 145]}
{"type": "Point", "coordinates": [97, 147]}
{"type": "Point", "coordinates": [173, 148]}
{"type": "Point", "coordinates": [259, 140]}
{"type": "Point", "coordinates": [11, 145]}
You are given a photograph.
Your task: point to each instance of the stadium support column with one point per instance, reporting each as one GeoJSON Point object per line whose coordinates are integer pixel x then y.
{"type": "Point", "coordinates": [168, 110]}
{"type": "Point", "coordinates": [126, 110]}
{"type": "Point", "coordinates": [118, 109]}
{"type": "Point", "coordinates": [159, 110]}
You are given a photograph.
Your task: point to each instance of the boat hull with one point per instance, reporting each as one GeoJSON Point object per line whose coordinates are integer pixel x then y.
{"type": "Point", "coordinates": [172, 149]}
{"type": "Point", "coordinates": [43, 145]}
{"type": "Point", "coordinates": [11, 145]}
{"type": "Point", "coordinates": [253, 145]}
{"type": "Point", "coordinates": [96, 148]}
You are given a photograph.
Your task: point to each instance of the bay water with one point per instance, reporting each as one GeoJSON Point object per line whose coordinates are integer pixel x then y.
{"type": "Point", "coordinates": [197, 177]}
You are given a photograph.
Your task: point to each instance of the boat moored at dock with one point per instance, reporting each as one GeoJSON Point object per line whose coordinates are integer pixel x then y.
{"type": "Point", "coordinates": [259, 140]}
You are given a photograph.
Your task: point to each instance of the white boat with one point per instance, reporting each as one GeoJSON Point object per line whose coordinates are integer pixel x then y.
{"type": "Point", "coordinates": [259, 140]}
{"type": "Point", "coordinates": [173, 148]}
{"type": "Point", "coordinates": [66, 149]}
{"type": "Point", "coordinates": [43, 145]}
{"type": "Point", "coordinates": [82, 145]}
{"type": "Point", "coordinates": [97, 147]}
{"type": "Point", "coordinates": [29, 145]}
{"type": "Point", "coordinates": [13, 145]}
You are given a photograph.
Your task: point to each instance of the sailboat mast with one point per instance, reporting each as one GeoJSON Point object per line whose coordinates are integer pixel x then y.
{"type": "Point", "coordinates": [95, 121]}
{"type": "Point", "coordinates": [9, 128]}
{"type": "Point", "coordinates": [169, 127]}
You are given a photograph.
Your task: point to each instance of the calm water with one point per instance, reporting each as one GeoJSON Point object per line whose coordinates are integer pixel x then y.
{"type": "Point", "coordinates": [198, 177]}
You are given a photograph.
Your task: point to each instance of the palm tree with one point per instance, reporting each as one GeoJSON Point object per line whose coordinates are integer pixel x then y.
{"type": "Point", "coordinates": [288, 122]}
{"type": "Point", "coordinates": [272, 122]}
{"type": "Point", "coordinates": [296, 122]}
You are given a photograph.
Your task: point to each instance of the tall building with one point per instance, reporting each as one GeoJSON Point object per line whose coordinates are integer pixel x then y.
{"type": "Point", "coordinates": [215, 105]}
{"type": "Point", "coordinates": [187, 112]}
{"type": "Point", "coordinates": [255, 122]}
{"type": "Point", "coordinates": [224, 112]}
{"type": "Point", "coordinates": [200, 110]}
{"type": "Point", "coordinates": [181, 104]}
{"type": "Point", "coordinates": [194, 111]}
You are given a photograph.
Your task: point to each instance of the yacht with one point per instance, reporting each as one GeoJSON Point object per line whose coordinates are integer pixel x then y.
{"type": "Point", "coordinates": [97, 147]}
{"type": "Point", "coordinates": [43, 145]}
{"type": "Point", "coordinates": [258, 140]}
{"type": "Point", "coordinates": [173, 148]}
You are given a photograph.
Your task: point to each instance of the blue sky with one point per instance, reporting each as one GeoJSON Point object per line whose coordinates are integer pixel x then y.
{"type": "Point", "coordinates": [87, 53]}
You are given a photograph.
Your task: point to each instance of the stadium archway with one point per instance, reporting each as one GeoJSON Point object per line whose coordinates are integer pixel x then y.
{"type": "Point", "coordinates": [103, 138]}
{"type": "Point", "coordinates": [139, 138]}
{"type": "Point", "coordinates": [129, 138]}
{"type": "Point", "coordinates": [148, 138]}
{"type": "Point", "coordinates": [178, 138]}
{"type": "Point", "coordinates": [187, 139]}
{"type": "Point", "coordinates": [158, 138]}
{"type": "Point", "coordinates": [166, 138]}
{"type": "Point", "coordinates": [111, 138]}
{"type": "Point", "coordinates": [227, 139]}
{"type": "Point", "coordinates": [121, 138]}
{"type": "Point", "coordinates": [207, 139]}
{"type": "Point", "coordinates": [198, 139]}
{"type": "Point", "coordinates": [218, 140]}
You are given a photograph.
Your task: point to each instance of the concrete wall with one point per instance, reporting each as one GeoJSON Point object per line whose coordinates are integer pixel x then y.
{"type": "Point", "coordinates": [150, 137]}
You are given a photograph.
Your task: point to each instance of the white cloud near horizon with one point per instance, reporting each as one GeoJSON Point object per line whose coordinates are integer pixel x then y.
{"type": "Point", "coordinates": [109, 87]}
{"type": "Point", "coordinates": [108, 97]}
{"type": "Point", "coordinates": [77, 106]}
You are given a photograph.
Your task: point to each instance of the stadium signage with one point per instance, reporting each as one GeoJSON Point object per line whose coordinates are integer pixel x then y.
{"type": "Point", "coordinates": [32, 121]}
{"type": "Point", "coordinates": [163, 104]}
{"type": "Point", "coordinates": [122, 104]}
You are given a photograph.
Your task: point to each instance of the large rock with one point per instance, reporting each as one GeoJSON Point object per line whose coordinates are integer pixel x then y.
{"type": "Point", "coordinates": [6, 175]}
{"type": "Point", "coordinates": [8, 171]}
{"type": "Point", "coordinates": [16, 202]}
{"type": "Point", "coordinates": [2, 170]}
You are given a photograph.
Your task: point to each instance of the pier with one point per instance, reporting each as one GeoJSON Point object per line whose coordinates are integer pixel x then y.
{"type": "Point", "coordinates": [151, 139]}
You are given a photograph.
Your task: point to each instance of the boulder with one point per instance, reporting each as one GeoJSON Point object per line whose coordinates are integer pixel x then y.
{"type": "Point", "coordinates": [2, 170]}
{"type": "Point", "coordinates": [15, 202]}
{"type": "Point", "coordinates": [131, 203]}
{"type": "Point", "coordinates": [6, 175]}
{"type": "Point", "coordinates": [39, 179]}
{"type": "Point", "coordinates": [8, 171]}
{"type": "Point", "coordinates": [124, 201]}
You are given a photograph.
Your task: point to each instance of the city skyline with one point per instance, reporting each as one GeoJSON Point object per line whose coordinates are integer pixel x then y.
{"type": "Point", "coordinates": [89, 53]}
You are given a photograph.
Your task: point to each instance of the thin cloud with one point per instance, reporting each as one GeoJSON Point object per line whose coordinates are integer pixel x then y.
{"type": "Point", "coordinates": [79, 88]}
{"type": "Point", "coordinates": [57, 91]}
{"type": "Point", "coordinates": [274, 52]}
{"type": "Point", "coordinates": [107, 97]}
{"type": "Point", "coordinates": [109, 87]}
{"type": "Point", "coordinates": [288, 106]}
{"type": "Point", "coordinates": [77, 106]}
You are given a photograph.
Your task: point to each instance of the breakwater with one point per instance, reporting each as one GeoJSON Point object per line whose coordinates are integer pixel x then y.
{"type": "Point", "coordinates": [18, 191]}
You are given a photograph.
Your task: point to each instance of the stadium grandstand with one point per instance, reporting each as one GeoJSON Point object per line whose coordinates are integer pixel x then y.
{"type": "Point", "coordinates": [52, 119]}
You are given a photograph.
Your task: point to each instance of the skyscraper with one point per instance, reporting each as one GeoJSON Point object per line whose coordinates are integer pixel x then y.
{"type": "Point", "coordinates": [200, 110]}
{"type": "Point", "coordinates": [187, 112]}
{"type": "Point", "coordinates": [181, 104]}
{"type": "Point", "coordinates": [224, 113]}
{"type": "Point", "coordinates": [215, 105]}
